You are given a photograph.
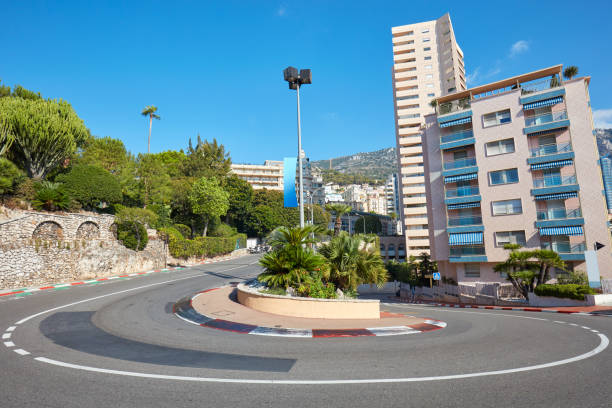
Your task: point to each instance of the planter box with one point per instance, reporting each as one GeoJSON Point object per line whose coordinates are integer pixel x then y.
{"type": "Point", "coordinates": [308, 307]}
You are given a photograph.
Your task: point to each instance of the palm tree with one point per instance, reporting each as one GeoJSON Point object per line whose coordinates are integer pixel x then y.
{"type": "Point", "coordinates": [351, 263]}
{"type": "Point", "coordinates": [519, 268]}
{"type": "Point", "coordinates": [433, 103]}
{"type": "Point", "coordinates": [150, 112]}
{"type": "Point", "coordinates": [282, 237]}
{"type": "Point", "coordinates": [570, 72]}
{"type": "Point", "coordinates": [547, 259]}
{"type": "Point", "coordinates": [339, 210]}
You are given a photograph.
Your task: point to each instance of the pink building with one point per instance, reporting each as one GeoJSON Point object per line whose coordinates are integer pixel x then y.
{"type": "Point", "coordinates": [514, 161]}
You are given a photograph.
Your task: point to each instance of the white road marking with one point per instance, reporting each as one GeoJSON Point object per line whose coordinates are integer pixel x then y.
{"type": "Point", "coordinates": [12, 328]}
{"type": "Point", "coordinates": [604, 342]}
{"type": "Point", "coordinates": [9, 344]}
{"type": "Point", "coordinates": [6, 336]}
{"type": "Point", "coordinates": [21, 352]}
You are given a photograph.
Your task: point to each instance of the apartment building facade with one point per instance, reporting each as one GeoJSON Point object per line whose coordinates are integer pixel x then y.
{"type": "Point", "coordinates": [514, 161]}
{"type": "Point", "coordinates": [428, 63]}
{"type": "Point", "coordinates": [268, 175]}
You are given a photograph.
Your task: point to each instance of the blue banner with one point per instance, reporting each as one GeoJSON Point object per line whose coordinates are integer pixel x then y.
{"type": "Point", "coordinates": [289, 167]}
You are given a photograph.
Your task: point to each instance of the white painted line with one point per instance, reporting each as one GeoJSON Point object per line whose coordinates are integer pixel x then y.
{"type": "Point", "coordinates": [21, 352]}
{"type": "Point", "coordinates": [436, 323]}
{"type": "Point", "coordinates": [62, 285]}
{"type": "Point", "coordinates": [581, 314]}
{"type": "Point", "coordinates": [271, 331]}
{"type": "Point", "coordinates": [573, 324]}
{"type": "Point", "coordinates": [12, 328]}
{"type": "Point", "coordinates": [587, 328]}
{"type": "Point", "coordinates": [558, 321]}
{"type": "Point", "coordinates": [6, 336]}
{"type": "Point", "coordinates": [392, 330]}
{"type": "Point", "coordinates": [603, 344]}
{"type": "Point", "coordinates": [594, 331]}
{"type": "Point", "coordinates": [188, 321]}
{"type": "Point", "coordinates": [9, 344]}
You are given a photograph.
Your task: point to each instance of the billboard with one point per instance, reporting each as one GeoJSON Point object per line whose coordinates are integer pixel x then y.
{"type": "Point", "coordinates": [289, 167]}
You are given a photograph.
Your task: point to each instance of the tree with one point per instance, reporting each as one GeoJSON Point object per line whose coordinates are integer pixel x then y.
{"type": "Point", "coordinates": [207, 160]}
{"type": "Point", "coordinates": [131, 226]}
{"type": "Point", "coordinates": [150, 112]}
{"type": "Point", "coordinates": [339, 210]}
{"type": "Point", "coordinates": [91, 186]}
{"type": "Point", "coordinates": [208, 199]}
{"type": "Point", "coordinates": [570, 72]}
{"type": "Point", "coordinates": [10, 176]}
{"type": "Point", "coordinates": [372, 224]}
{"type": "Point", "coordinates": [352, 263]}
{"type": "Point", "coordinates": [240, 201]}
{"type": "Point", "coordinates": [6, 137]}
{"type": "Point", "coordinates": [46, 132]}
{"type": "Point", "coordinates": [547, 259]}
{"type": "Point", "coordinates": [261, 220]}
{"type": "Point", "coordinates": [321, 217]}
{"type": "Point", "coordinates": [105, 152]}
{"type": "Point", "coordinates": [425, 265]}
{"type": "Point", "coordinates": [154, 181]}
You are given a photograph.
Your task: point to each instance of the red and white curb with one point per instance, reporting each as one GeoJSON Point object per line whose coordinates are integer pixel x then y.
{"type": "Point", "coordinates": [185, 311]}
{"type": "Point", "coordinates": [29, 291]}
{"type": "Point", "coordinates": [504, 308]}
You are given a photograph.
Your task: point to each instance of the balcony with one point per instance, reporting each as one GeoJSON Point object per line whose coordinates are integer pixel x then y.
{"type": "Point", "coordinates": [542, 156]}
{"type": "Point", "coordinates": [454, 106]}
{"type": "Point", "coordinates": [547, 150]}
{"type": "Point", "coordinates": [546, 121]}
{"type": "Point", "coordinates": [559, 217]}
{"type": "Point", "coordinates": [540, 85]}
{"type": "Point", "coordinates": [552, 181]}
{"type": "Point", "coordinates": [461, 163]}
{"type": "Point", "coordinates": [462, 192]}
{"type": "Point", "coordinates": [457, 139]}
{"type": "Point", "coordinates": [463, 221]}
{"type": "Point", "coordinates": [475, 253]}
{"type": "Point", "coordinates": [567, 251]}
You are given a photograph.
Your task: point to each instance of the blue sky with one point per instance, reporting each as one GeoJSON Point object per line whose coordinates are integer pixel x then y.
{"type": "Point", "coordinates": [215, 68]}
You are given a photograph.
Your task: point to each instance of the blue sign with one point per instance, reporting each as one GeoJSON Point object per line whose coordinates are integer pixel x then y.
{"type": "Point", "coordinates": [436, 276]}
{"type": "Point", "coordinates": [290, 196]}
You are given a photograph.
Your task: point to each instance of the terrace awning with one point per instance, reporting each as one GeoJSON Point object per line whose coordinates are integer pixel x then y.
{"type": "Point", "coordinates": [456, 122]}
{"type": "Point", "coordinates": [557, 196]}
{"type": "Point", "coordinates": [466, 238]}
{"type": "Point", "coordinates": [541, 104]}
{"type": "Point", "coordinates": [461, 177]}
{"type": "Point", "coordinates": [551, 165]}
{"type": "Point", "coordinates": [463, 205]}
{"type": "Point", "coordinates": [573, 230]}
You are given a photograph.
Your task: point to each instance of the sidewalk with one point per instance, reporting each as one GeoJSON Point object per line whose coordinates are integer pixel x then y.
{"type": "Point", "coordinates": [583, 310]}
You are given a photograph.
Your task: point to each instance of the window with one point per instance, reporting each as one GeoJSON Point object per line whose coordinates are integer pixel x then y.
{"type": "Point", "coordinates": [425, 39]}
{"type": "Point", "coordinates": [503, 176]}
{"type": "Point", "coordinates": [510, 237]}
{"type": "Point", "coordinates": [427, 66]}
{"type": "Point", "coordinates": [428, 76]}
{"type": "Point", "coordinates": [425, 31]}
{"type": "Point", "coordinates": [427, 58]}
{"type": "Point", "coordinates": [429, 85]}
{"type": "Point", "coordinates": [507, 207]}
{"type": "Point", "coordinates": [471, 270]}
{"type": "Point", "coordinates": [431, 95]}
{"type": "Point", "coordinates": [500, 147]}
{"type": "Point", "coordinates": [427, 49]}
{"type": "Point", "coordinates": [496, 118]}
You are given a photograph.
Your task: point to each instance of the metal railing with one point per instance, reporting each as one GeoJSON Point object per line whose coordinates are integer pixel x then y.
{"type": "Point", "coordinates": [559, 214]}
{"type": "Point", "coordinates": [454, 106]}
{"type": "Point", "coordinates": [550, 181]}
{"type": "Point", "coordinates": [465, 220]}
{"type": "Point", "coordinates": [462, 192]}
{"type": "Point", "coordinates": [466, 134]}
{"type": "Point", "coordinates": [460, 163]}
{"type": "Point", "coordinates": [541, 84]}
{"type": "Point", "coordinates": [565, 247]}
{"type": "Point", "coordinates": [545, 118]}
{"type": "Point", "coordinates": [546, 150]}
{"type": "Point", "coordinates": [467, 250]}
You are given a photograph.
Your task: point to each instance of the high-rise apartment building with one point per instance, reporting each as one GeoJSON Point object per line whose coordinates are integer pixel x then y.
{"type": "Point", "coordinates": [514, 161]}
{"type": "Point", "coordinates": [427, 63]}
{"type": "Point", "coordinates": [268, 175]}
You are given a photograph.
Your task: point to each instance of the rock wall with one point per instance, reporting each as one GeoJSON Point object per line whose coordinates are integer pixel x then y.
{"type": "Point", "coordinates": [41, 248]}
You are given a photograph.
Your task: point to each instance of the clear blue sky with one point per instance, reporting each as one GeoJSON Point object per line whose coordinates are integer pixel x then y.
{"type": "Point", "coordinates": [215, 68]}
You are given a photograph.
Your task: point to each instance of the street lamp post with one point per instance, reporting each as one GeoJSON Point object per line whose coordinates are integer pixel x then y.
{"type": "Point", "coordinates": [295, 80]}
{"type": "Point", "coordinates": [364, 220]}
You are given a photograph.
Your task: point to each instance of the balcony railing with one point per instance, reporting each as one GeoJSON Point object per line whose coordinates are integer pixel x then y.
{"type": "Point", "coordinates": [457, 164]}
{"type": "Point", "coordinates": [454, 106]}
{"type": "Point", "coordinates": [453, 137]}
{"type": "Point", "coordinates": [564, 247]}
{"type": "Point", "coordinates": [466, 220]}
{"type": "Point", "coordinates": [467, 250]}
{"type": "Point", "coordinates": [540, 85]}
{"type": "Point", "coordinates": [545, 118]}
{"type": "Point", "coordinates": [559, 214]}
{"type": "Point", "coordinates": [462, 192]}
{"type": "Point", "coordinates": [546, 150]}
{"type": "Point", "coordinates": [550, 181]}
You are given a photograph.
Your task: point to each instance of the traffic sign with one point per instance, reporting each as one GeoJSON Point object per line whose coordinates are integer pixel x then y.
{"type": "Point", "coordinates": [436, 276]}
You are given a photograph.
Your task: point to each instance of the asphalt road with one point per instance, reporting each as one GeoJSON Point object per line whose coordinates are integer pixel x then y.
{"type": "Point", "coordinates": [117, 344]}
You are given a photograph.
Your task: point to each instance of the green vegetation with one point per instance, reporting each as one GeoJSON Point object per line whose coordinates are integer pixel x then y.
{"type": "Point", "coordinates": [338, 210]}
{"type": "Point", "coordinates": [180, 247]}
{"type": "Point", "coordinates": [10, 176]}
{"type": "Point", "coordinates": [569, 291]}
{"type": "Point", "coordinates": [372, 224]}
{"type": "Point", "coordinates": [50, 196]}
{"type": "Point", "coordinates": [343, 179]}
{"type": "Point", "coordinates": [413, 271]}
{"type": "Point", "coordinates": [570, 72]}
{"type": "Point", "coordinates": [131, 227]}
{"type": "Point", "coordinates": [208, 199]}
{"type": "Point", "coordinates": [92, 186]}
{"type": "Point", "coordinates": [150, 112]}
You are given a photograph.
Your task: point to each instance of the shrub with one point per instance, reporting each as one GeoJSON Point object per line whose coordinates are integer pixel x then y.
{"type": "Point", "coordinates": [132, 235]}
{"type": "Point", "coordinates": [51, 197]}
{"type": "Point", "coordinates": [92, 186]}
{"type": "Point", "coordinates": [570, 291]}
{"type": "Point", "coordinates": [26, 190]}
{"type": "Point", "coordinates": [578, 278]}
{"type": "Point", "coordinates": [10, 176]}
{"type": "Point", "coordinates": [180, 247]}
{"type": "Point", "coordinates": [185, 230]}
{"type": "Point", "coordinates": [317, 289]}
{"type": "Point", "coordinates": [223, 230]}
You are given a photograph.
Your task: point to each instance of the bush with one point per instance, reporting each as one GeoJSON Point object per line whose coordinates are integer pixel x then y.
{"type": "Point", "coordinates": [185, 230]}
{"type": "Point", "coordinates": [223, 230]}
{"type": "Point", "coordinates": [26, 190]}
{"type": "Point", "coordinates": [92, 186]}
{"type": "Point", "coordinates": [51, 197]}
{"type": "Point", "coordinates": [132, 235]}
{"type": "Point", "coordinates": [10, 176]}
{"type": "Point", "coordinates": [201, 246]}
{"type": "Point", "coordinates": [317, 289]}
{"type": "Point", "coordinates": [570, 291]}
{"type": "Point", "coordinates": [578, 278]}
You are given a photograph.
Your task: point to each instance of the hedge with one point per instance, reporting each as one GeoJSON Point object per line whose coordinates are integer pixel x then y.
{"type": "Point", "coordinates": [570, 291]}
{"type": "Point", "coordinates": [201, 246]}
{"type": "Point", "coordinates": [128, 233]}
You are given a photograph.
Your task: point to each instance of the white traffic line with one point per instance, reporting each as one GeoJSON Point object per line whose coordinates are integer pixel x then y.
{"type": "Point", "coordinates": [21, 352]}
{"type": "Point", "coordinates": [6, 336]}
{"type": "Point", "coordinates": [12, 328]}
{"type": "Point", "coordinates": [9, 344]}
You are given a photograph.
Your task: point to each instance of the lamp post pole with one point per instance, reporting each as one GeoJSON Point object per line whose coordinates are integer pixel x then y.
{"type": "Point", "coordinates": [299, 129]}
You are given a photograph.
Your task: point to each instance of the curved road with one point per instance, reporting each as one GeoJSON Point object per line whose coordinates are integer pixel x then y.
{"type": "Point", "coordinates": [118, 344]}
